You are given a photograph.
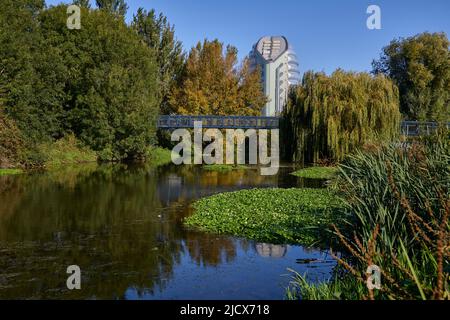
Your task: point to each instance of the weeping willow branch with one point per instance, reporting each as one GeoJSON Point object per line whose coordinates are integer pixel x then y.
{"type": "Point", "coordinates": [330, 116]}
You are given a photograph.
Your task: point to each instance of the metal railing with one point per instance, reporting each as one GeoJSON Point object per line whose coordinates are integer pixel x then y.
{"type": "Point", "coordinates": [408, 128]}
{"type": "Point", "coordinates": [218, 122]}
{"type": "Point", "coordinates": [417, 128]}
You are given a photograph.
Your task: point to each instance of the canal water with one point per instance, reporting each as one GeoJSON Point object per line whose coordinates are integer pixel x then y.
{"type": "Point", "coordinates": [122, 225]}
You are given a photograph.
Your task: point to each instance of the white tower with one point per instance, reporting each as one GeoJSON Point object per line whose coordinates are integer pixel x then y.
{"type": "Point", "coordinates": [279, 68]}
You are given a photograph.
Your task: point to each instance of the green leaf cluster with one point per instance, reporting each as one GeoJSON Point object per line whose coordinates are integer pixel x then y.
{"type": "Point", "coordinates": [99, 83]}
{"type": "Point", "coordinates": [316, 172]}
{"type": "Point", "coordinates": [269, 215]}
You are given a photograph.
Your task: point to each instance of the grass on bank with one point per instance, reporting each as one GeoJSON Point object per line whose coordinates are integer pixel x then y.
{"type": "Point", "coordinates": [158, 156]}
{"type": "Point", "coordinates": [316, 172]}
{"type": "Point", "coordinates": [269, 215]}
{"type": "Point", "coordinates": [67, 150]}
{"type": "Point", "coordinates": [224, 167]}
{"type": "Point", "coordinates": [302, 288]}
{"type": "Point", "coordinates": [5, 172]}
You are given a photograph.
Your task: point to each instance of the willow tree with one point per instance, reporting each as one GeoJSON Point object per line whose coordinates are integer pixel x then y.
{"type": "Point", "coordinates": [329, 116]}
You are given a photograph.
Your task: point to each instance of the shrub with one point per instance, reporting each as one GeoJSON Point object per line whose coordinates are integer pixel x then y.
{"type": "Point", "coordinates": [67, 150]}
{"type": "Point", "coordinates": [11, 142]}
{"type": "Point", "coordinates": [158, 156]}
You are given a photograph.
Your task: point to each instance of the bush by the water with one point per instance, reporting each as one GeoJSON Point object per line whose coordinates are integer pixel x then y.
{"type": "Point", "coordinates": [398, 219]}
{"type": "Point", "coordinates": [157, 156]}
{"type": "Point", "coordinates": [11, 142]}
{"type": "Point", "coordinates": [269, 215]}
{"type": "Point", "coordinates": [67, 150]}
{"type": "Point", "coordinates": [328, 117]}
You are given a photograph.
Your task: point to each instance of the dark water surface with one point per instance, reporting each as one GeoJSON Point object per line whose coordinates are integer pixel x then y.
{"type": "Point", "coordinates": [123, 227]}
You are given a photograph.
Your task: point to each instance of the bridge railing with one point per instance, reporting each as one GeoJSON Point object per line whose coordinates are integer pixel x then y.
{"type": "Point", "coordinates": [417, 128]}
{"type": "Point", "coordinates": [408, 128]}
{"type": "Point", "coordinates": [219, 122]}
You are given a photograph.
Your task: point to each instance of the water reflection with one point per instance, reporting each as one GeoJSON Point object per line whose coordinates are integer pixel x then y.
{"type": "Point", "coordinates": [123, 226]}
{"type": "Point", "coordinates": [271, 250]}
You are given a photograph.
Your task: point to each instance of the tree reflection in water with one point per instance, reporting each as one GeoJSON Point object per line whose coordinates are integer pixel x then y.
{"type": "Point", "coordinates": [121, 224]}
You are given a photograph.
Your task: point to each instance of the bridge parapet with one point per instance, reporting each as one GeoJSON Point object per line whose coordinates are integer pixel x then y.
{"type": "Point", "coordinates": [218, 122]}
{"type": "Point", "coordinates": [417, 128]}
{"type": "Point", "coordinates": [168, 122]}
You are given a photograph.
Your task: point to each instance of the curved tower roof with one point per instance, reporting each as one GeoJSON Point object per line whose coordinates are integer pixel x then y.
{"type": "Point", "coordinates": [271, 48]}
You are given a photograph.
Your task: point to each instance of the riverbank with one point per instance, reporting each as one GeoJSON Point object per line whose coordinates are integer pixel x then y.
{"type": "Point", "coordinates": [316, 172]}
{"type": "Point", "coordinates": [158, 156]}
{"type": "Point", "coordinates": [223, 167]}
{"type": "Point", "coordinates": [68, 151]}
{"type": "Point", "coordinates": [296, 215]}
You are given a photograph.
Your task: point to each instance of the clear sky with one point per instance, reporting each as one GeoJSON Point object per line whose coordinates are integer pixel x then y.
{"type": "Point", "coordinates": [325, 34]}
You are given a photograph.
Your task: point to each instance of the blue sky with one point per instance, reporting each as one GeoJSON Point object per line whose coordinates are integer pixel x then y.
{"type": "Point", "coordinates": [325, 34]}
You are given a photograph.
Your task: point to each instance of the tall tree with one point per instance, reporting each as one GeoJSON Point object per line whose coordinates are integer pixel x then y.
{"type": "Point", "coordinates": [212, 84]}
{"type": "Point", "coordinates": [110, 91]}
{"type": "Point", "coordinates": [82, 3]}
{"type": "Point", "coordinates": [420, 66]}
{"type": "Point", "coordinates": [114, 6]}
{"type": "Point", "coordinates": [99, 82]}
{"type": "Point", "coordinates": [29, 85]}
{"type": "Point", "coordinates": [159, 35]}
{"type": "Point", "coordinates": [328, 117]}
{"type": "Point", "coordinates": [250, 89]}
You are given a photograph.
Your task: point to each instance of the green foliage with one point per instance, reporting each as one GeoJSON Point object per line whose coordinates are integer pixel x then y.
{"type": "Point", "coordinates": [417, 171]}
{"type": "Point", "coordinates": [316, 172]}
{"type": "Point", "coordinates": [345, 288]}
{"type": "Point", "coordinates": [420, 66]}
{"type": "Point", "coordinates": [213, 85]}
{"type": "Point", "coordinates": [11, 143]}
{"type": "Point", "coordinates": [398, 202]}
{"type": "Point", "coordinates": [398, 219]}
{"type": "Point", "coordinates": [269, 215]}
{"type": "Point", "coordinates": [113, 6]}
{"type": "Point", "coordinates": [223, 167]}
{"type": "Point", "coordinates": [67, 150]}
{"type": "Point", "coordinates": [29, 85]}
{"type": "Point", "coordinates": [114, 108]}
{"type": "Point", "coordinates": [5, 172]}
{"type": "Point", "coordinates": [99, 82]}
{"type": "Point", "coordinates": [82, 3]}
{"type": "Point", "coordinates": [159, 35]}
{"type": "Point", "coordinates": [64, 151]}
{"type": "Point", "coordinates": [158, 156]}
{"type": "Point", "coordinates": [329, 117]}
